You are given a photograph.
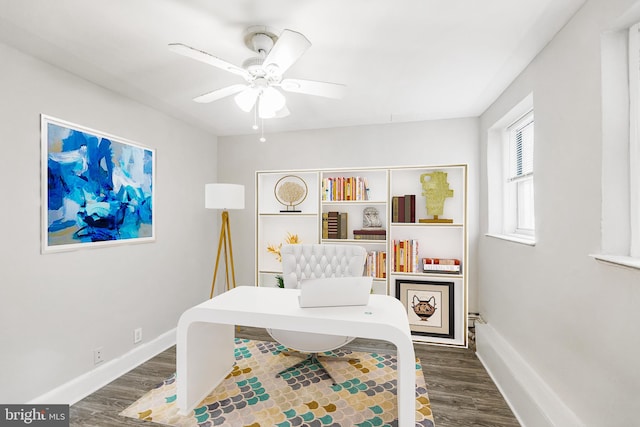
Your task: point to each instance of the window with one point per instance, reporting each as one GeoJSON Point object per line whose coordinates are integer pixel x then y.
{"type": "Point", "coordinates": [510, 172]}
{"type": "Point", "coordinates": [519, 181]}
{"type": "Point", "coordinates": [634, 139]}
{"type": "Point", "coordinates": [621, 146]}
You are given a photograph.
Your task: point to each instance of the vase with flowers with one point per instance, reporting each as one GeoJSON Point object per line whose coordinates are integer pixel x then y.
{"type": "Point", "coordinates": [291, 239]}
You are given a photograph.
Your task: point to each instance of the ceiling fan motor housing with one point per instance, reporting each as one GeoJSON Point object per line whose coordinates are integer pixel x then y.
{"type": "Point", "coordinates": [260, 39]}
{"type": "Point", "coordinates": [255, 69]}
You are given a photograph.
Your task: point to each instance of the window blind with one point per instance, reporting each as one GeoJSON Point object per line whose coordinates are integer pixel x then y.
{"type": "Point", "coordinates": [521, 147]}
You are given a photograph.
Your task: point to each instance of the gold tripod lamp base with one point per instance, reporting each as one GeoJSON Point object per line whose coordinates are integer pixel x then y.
{"type": "Point", "coordinates": [224, 196]}
{"type": "Point", "coordinates": [224, 244]}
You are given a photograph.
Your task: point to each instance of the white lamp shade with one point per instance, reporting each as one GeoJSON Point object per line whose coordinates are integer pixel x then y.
{"type": "Point", "coordinates": [247, 99]}
{"type": "Point", "coordinates": [270, 102]}
{"type": "Point", "coordinates": [224, 196]}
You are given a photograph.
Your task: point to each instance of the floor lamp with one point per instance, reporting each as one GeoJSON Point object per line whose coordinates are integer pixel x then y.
{"type": "Point", "coordinates": [224, 197]}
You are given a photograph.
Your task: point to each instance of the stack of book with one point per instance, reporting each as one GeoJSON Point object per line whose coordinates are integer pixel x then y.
{"type": "Point", "coordinates": [376, 264]}
{"type": "Point", "coordinates": [441, 265]}
{"type": "Point", "coordinates": [404, 256]}
{"type": "Point", "coordinates": [334, 225]}
{"type": "Point", "coordinates": [345, 188]}
{"type": "Point", "coordinates": [403, 208]}
{"type": "Point", "coordinates": [370, 234]}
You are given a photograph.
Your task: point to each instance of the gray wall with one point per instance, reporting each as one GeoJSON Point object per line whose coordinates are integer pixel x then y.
{"type": "Point", "coordinates": [56, 308]}
{"type": "Point", "coordinates": [398, 144]}
{"type": "Point", "coordinates": [571, 319]}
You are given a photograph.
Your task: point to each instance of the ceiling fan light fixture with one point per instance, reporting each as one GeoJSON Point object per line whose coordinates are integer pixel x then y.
{"type": "Point", "coordinates": [270, 102]}
{"type": "Point", "coordinates": [265, 113]}
{"type": "Point", "coordinates": [274, 98]}
{"type": "Point", "coordinates": [246, 99]}
{"type": "Point", "coordinates": [263, 73]}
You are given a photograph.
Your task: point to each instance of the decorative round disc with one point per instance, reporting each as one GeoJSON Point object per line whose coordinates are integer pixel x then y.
{"type": "Point", "coordinates": [291, 190]}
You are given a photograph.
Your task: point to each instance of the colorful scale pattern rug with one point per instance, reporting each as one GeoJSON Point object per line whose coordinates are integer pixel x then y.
{"type": "Point", "coordinates": [252, 396]}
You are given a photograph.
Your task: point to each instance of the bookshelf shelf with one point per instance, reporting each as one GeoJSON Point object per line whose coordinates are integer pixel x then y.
{"type": "Point", "coordinates": [420, 224]}
{"type": "Point", "coordinates": [354, 202]}
{"type": "Point", "coordinates": [379, 186]}
{"type": "Point", "coordinates": [289, 214]}
{"type": "Point", "coordinates": [438, 275]}
{"type": "Point", "coordinates": [363, 242]}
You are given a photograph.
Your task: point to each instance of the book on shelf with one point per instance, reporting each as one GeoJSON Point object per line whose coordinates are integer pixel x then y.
{"type": "Point", "coordinates": [376, 264]}
{"type": "Point", "coordinates": [332, 225]}
{"type": "Point", "coordinates": [325, 225]}
{"type": "Point", "coordinates": [404, 256]}
{"type": "Point", "coordinates": [369, 237]}
{"type": "Point", "coordinates": [403, 208]}
{"type": "Point", "coordinates": [370, 234]}
{"type": "Point", "coordinates": [441, 265]}
{"type": "Point", "coordinates": [394, 208]}
{"type": "Point", "coordinates": [335, 225]}
{"type": "Point", "coordinates": [345, 188]}
{"type": "Point", "coordinates": [409, 208]}
{"type": "Point", "coordinates": [343, 232]}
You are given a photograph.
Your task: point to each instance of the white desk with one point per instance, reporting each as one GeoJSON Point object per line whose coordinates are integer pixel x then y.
{"type": "Point", "coordinates": [205, 341]}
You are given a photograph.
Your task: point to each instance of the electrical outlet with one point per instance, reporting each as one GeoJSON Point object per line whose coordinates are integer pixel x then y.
{"type": "Point", "coordinates": [137, 335]}
{"type": "Point", "coordinates": [98, 356]}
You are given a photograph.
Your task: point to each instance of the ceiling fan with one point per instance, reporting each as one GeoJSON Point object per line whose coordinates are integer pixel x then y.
{"type": "Point", "coordinates": [264, 73]}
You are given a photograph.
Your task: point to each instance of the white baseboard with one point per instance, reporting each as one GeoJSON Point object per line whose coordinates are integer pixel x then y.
{"type": "Point", "coordinates": [82, 386]}
{"type": "Point", "coordinates": [532, 401]}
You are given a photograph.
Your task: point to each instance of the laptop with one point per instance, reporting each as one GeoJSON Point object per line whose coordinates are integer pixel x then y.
{"type": "Point", "coordinates": [335, 291]}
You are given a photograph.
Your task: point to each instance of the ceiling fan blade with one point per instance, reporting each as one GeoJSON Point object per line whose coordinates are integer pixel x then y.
{"type": "Point", "coordinates": [220, 93]}
{"type": "Point", "coordinates": [288, 49]}
{"type": "Point", "coordinates": [311, 87]}
{"type": "Point", "coordinates": [198, 55]}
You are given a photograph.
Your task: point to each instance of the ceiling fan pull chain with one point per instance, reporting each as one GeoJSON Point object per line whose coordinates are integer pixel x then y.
{"type": "Point", "coordinates": [262, 138]}
{"type": "Point", "coordinates": [255, 117]}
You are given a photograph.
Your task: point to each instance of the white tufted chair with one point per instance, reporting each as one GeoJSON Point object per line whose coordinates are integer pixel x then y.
{"type": "Point", "coordinates": [307, 261]}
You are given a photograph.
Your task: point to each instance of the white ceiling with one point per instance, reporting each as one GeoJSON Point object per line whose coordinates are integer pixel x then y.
{"type": "Point", "coordinates": [402, 60]}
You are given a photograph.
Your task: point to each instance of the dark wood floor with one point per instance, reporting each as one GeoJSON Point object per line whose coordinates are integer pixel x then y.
{"type": "Point", "coordinates": [460, 390]}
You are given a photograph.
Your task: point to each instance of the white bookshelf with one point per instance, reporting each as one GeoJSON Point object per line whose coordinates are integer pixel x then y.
{"type": "Point", "coordinates": [435, 240]}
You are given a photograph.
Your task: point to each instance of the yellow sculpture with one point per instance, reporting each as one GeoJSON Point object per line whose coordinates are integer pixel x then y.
{"type": "Point", "coordinates": [436, 190]}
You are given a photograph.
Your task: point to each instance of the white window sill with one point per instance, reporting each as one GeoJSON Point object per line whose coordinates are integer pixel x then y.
{"type": "Point", "coordinates": [619, 260]}
{"type": "Point", "coordinates": [524, 240]}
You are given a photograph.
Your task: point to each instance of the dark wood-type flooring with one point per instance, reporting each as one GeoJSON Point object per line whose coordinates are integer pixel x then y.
{"type": "Point", "coordinates": [461, 392]}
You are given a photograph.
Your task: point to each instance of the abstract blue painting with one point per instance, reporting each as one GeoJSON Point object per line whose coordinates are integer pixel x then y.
{"type": "Point", "coordinates": [97, 188]}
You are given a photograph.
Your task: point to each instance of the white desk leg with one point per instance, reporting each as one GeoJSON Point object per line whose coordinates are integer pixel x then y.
{"type": "Point", "coordinates": [204, 357]}
{"type": "Point", "coordinates": [406, 385]}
